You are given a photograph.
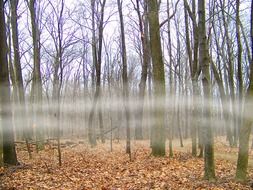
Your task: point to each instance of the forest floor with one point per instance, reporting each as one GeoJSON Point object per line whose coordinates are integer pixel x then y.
{"type": "Point", "coordinates": [99, 168]}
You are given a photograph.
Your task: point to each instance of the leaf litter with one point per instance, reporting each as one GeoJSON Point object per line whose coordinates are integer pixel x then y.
{"type": "Point", "coordinates": [87, 168]}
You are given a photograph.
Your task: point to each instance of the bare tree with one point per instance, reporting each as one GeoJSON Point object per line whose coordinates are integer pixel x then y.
{"type": "Point", "coordinates": [143, 27]}
{"type": "Point", "coordinates": [9, 151]}
{"type": "Point", "coordinates": [36, 92]}
{"type": "Point", "coordinates": [243, 155]}
{"type": "Point", "coordinates": [158, 129]}
{"type": "Point", "coordinates": [97, 44]}
{"type": "Point", "coordinates": [205, 68]}
{"type": "Point", "coordinates": [22, 114]}
{"type": "Point", "coordinates": [124, 77]}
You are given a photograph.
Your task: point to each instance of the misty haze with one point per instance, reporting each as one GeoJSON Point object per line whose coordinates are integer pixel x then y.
{"type": "Point", "coordinates": [134, 94]}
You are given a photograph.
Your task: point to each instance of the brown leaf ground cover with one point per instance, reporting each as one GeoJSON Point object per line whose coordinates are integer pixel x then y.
{"type": "Point", "coordinates": [98, 168]}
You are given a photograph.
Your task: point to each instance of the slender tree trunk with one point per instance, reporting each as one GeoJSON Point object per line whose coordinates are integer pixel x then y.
{"type": "Point", "coordinates": [91, 130]}
{"type": "Point", "coordinates": [22, 112]}
{"type": "Point", "coordinates": [224, 104]}
{"type": "Point", "coordinates": [97, 61]}
{"type": "Point", "coordinates": [205, 67]}
{"type": "Point", "coordinates": [144, 70]}
{"type": "Point", "coordinates": [193, 64]}
{"type": "Point", "coordinates": [243, 155]}
{"type": "Point", "coordinates": [230, 73]}
{"type": "Point", "coordinates": [223, 96]}
{"type": "Point", "coordinates": [36, 92]}
{"type": "Point", "coordinates": [125, 78]}
{"type": "Point", "coordinates": [172, 89]}
{"type": "Point", "coordinates": [9, 152]}
{"type": "Point", "coordinates": [239, 64]}
{"type": "Point", "coordinates": [98, 67]}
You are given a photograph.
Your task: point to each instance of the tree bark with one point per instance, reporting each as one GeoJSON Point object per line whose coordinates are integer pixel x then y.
{"type": "Point", "coordinates": [144, 69]}
{"type": "Point", "coordinates": [205, 68]}
{"type": "Point", "coordinates": [239, 65]}
{"type": "Point", "coordinates": [193, 64]}
{"type": "Point", "coordinates": [158, 144]}
{"type": "Point", "coordinates": [9, 151]}
{"type": "Point", "coordinates": [125, 78]}
{"type": "Point", "coordinates": [36, 92]}
{"type": "Point", "coordinates": [97, 61]}
{"type": "Point", "coordinates": [22, 112]}
{"type": "Point", "coordinates": [243, 155]}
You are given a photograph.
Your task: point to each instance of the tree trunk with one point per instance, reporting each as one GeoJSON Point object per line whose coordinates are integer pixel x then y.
{"type": "Point", "coordinates": [36, 92]}
{"type": "Point", "coordinates": [243, 155]}
{"type": "Point", "coordinates": [125, 78]}
{"type": "Point", "coordinates": [239, 65]}
{"type": "Point", "coordinates": [172, 89]}
{"type": "Point", "coordinates": [9, 151]}
{"type": "Point", "coordinates": [22, 113]}
{"type": "Point", "coordinates": [158, 144]}
{"type": "Point", "coordinates": [205, 68]}
{"type": "Point", "coordinates": [97, 61]}
{"type": "Point", "coordinates": [193, 63]}
{"type": "Point", "coordinates": [144, 69]}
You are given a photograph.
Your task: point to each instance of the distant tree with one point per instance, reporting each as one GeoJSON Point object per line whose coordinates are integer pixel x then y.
{"type": "Point", "coordinates": [230, 67]}
{"type": "Point", "coordinates": [9, 151]}
{"type": "Point", "coordinates": [158, 128]}
{"type": "Point", "coordinates": [220, 78]}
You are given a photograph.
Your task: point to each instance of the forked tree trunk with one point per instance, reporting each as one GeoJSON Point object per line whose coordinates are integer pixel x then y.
{"type": "Point", "coordinates": [97, 62]}
{"type": "Point", "coordinates": [205, 68]}
{"type": "Point", "coordinates": [193, 62]}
